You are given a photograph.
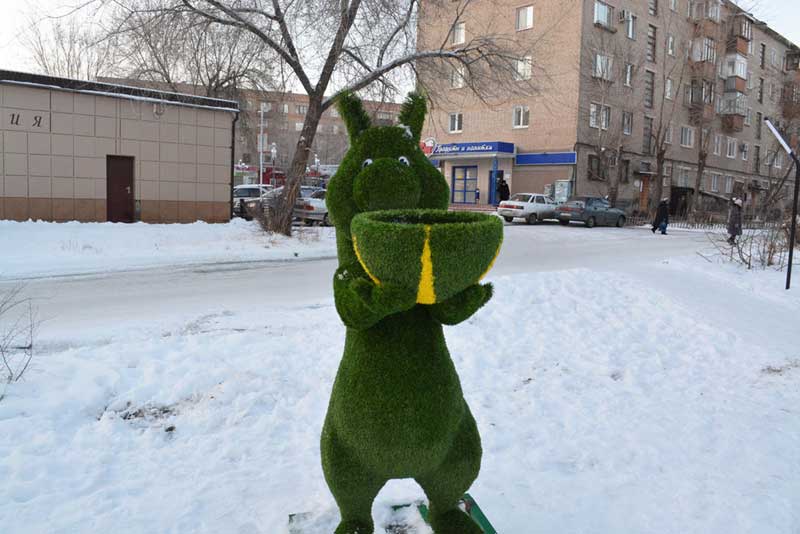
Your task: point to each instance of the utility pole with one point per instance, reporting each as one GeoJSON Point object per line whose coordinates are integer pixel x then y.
{"type": "Point", "coordinates": [793, 232]}
{"type": "Point", "coordinates": [261, 111]}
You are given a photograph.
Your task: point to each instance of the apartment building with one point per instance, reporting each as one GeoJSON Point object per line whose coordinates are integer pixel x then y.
{"type": "Point", "coordinates": [282, 119]}
{"type": "Point", "coordinates": [88, 151]}
{"type": "Point", "coordinates": [621, 81]}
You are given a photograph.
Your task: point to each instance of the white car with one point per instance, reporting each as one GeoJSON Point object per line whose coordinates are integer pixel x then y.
{"type": "Point", "coordinates": [532, 207]}
{"type": "Point", "coordinates": [248, 195]}
{"type": "Point", "coordinates": [312, 208]}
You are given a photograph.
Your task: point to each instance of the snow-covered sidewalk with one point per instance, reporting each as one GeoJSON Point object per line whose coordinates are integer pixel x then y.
{"type": "Point", "coordinates": [31, 249]}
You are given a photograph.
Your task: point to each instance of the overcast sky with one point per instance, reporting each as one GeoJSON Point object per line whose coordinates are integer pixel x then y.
{"type": "Point", "coordinates": [782, 15]}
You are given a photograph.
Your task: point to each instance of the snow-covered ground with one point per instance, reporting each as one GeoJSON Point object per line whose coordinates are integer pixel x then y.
{"type": "Point", "coordinates": [32, 249]}
{"type": "Point", "coordinates": [621, 383]}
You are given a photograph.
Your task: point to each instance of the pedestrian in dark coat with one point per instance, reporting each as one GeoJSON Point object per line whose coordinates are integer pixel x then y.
{"type": "Point", "coordinates": [503, 192]}
{"type": "Point", "coordinates": [662, 217]}
{"type": "Point", "coordinates": [735, 221]}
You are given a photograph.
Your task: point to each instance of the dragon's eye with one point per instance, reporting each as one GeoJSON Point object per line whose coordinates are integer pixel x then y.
{"type": "Point", "coordinates": [404, 161]}
{"type": "Point", "coordinates": [367, 163]}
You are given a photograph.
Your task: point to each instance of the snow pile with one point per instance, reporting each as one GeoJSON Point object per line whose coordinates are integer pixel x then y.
{"type": "Point", "coordinates": [607, 401]}
{"type": "Point", "coordinates": [29, 249]}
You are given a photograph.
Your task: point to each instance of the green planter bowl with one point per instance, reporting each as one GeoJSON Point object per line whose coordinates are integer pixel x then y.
{"type": "Point", "coordinates": [434, 253]}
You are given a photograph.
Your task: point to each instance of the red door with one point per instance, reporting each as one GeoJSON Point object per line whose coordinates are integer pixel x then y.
{"type": "Point", "coordinates": [119, 189]}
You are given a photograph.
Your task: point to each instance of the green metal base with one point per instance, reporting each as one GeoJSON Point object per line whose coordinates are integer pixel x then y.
{"type": "Point", "coordinates": [466, 503]}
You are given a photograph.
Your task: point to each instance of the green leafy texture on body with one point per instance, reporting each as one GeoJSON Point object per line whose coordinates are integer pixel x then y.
{"type": "Point", "coordinates": [397, 409]}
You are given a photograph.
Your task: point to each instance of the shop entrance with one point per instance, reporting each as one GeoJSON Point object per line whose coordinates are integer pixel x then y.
{"type": "Point", "coordinates": [464, 187]}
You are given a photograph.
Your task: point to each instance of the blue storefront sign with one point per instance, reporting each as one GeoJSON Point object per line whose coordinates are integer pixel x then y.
{"type": "Point", "coordinates": [486, 148]}
{"type": "Point", "coordinates": [547, 158]}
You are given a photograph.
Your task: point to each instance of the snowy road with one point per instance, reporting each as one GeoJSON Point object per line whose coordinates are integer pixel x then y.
{"type": "Point", "coordinates": [133, 297]}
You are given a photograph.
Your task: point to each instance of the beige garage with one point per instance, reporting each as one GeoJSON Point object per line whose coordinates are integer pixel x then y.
{"type": "Point", "coordinates": [76, 150]}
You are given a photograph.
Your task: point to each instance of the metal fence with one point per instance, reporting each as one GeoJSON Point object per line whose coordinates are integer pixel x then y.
{"type": "Point", "coordinates": [705, 224]}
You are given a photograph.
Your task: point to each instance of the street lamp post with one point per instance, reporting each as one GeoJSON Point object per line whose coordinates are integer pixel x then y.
{"type": "Point", "coordinates": [262, 109]}
{"type": "Point", "coordinates": [273, 152]}
{"type": "Point", "coordinates": [793, 232]}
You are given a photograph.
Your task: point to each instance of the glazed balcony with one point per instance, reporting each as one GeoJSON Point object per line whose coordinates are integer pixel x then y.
{"type": "Point", "coordinates": [791, 100]}
{"type": "Point", "coordinates": [734, 110]}
{"type": "Point", "coordinates": [734, 84]}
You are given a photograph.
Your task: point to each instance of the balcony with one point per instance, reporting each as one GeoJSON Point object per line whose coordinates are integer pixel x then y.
{"type": "Point", "coordinates": [737, 44]}
{"type": "Point", "coordinates": [734, 84]}
{"type": "Point", "coordinates": [791, 100]}
{"type": "Point", "coordinates": [734, 109]}
{"type": "Point", "coordinates": [703, 69]}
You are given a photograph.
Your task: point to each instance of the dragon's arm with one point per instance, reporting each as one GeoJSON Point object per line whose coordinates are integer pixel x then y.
{"type": "Point", "coordinates": [361, 303]}
{"type": "Point", "coordinates": [462, 306]}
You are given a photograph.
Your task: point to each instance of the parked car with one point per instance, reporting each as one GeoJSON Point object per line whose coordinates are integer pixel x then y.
{"type": "Point", "coordinates": [591, 211]}
{"type": "Point", "coordinates": [248, 195]}
{"type": "Point", "coordinates": [312, 208]}
{"type": "Point", "coordinates": [532, 207]}
{"type": "Point", "coordinates": [272, 198]}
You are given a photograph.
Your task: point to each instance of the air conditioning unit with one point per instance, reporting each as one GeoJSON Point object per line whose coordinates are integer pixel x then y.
{"type": "Point", "coordinates": [624, 15]}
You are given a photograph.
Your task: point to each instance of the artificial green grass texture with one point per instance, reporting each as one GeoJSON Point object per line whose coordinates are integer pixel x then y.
{"type": "Point", "coordinates": [463, 245]}
{"type": "Point", "coordinates": [396, 409]}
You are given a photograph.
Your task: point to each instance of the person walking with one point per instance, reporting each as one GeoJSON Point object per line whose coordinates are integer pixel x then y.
{"type": "Point", "coordinates": [662, 217]}
{"type": "Point", "coordinates": [735, 221]}
{"type": "Point", "coordinates": [503, 192]}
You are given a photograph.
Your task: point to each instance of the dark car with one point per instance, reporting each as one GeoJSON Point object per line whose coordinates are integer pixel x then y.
{"type": "Point", "coordinates": [591, 211]}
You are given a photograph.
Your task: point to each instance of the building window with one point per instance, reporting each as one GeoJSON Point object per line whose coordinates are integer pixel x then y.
{"type": "Point", "coordinates": [668, 134]}
{"type": "Point", "coordinates": [715, 183]}
{"type": "Point", "coordinates": [778, 159]}
{"type": "Point", "coordinates": [673, 5]}
{"type": "Point", "coordinates": [652, 8]}
{"type": "Point", "coordinates": [285, 108]}
{"type": "Point", "coordinates": [773, 57]}
{"type": "Point", "coordinates": [732, 145]}
{"type": "Point", "coordinates": [717, 145]}
{"type": "Point", "coordinates": [762, 55]}
{"type": "Point", "coordinates": [651, 43]}
{"type": "Point", "coordinates": [595, 170]}
{"type": "Point", "coordinates": [687, 137]}
{"type": "Point", "coordinates": [729, 184]}
{"type": "Point", "coordinates": [603, 14]}
{"type": "Point", "coordinates": [523, 68]}
{"type": "Point", "coordinates": [459, 33]}
{"type": "Point", "coordinates": [524, 18]}
{"type": "Point", "coordinates": [667, 178]}
{"type": "Point", "coordinates": [649, 89]}
{"type": "Point", "coordinates": [627, 123]}
{"type": "Point", "coordinates": [745, 151]}
{"type": "Point", "coordinates": [458, 77]}
{"type": "Point", "coordinates": [266, 106]}
{"type": "Point", "coordinates": [522, 116]}
{"type": "Point", "coordinates": [761, 90]}
{"type": "Point", "coordinates": [671, 45]}
{"type": "Point", "coordinates": [756, 159]}
{"type": "Point", "coordinates": [599, 116]}
{"type": "Point", "coordinates": [668, 89]}
{"type": "Point", "coordinates": [647, 136]}
{"type": "Point", "coordinates": [602, 66]}
{"type": "Point", "coordinates": [630, 26]}
{"type": "Point", "coordinates": [456, 122]}
{"type": "Point", "coordinates": [629, 74]}
{"type": "Point", "coordinates": [759, 122]}
{"type": "Point", "coordinates": [683, 177]}
{"type": "Point", "coordinates": [301, 109]}
{"type": "Point", "coordinates": [298, 127]}
{"type": "Point", "coordinates": [748, 117]}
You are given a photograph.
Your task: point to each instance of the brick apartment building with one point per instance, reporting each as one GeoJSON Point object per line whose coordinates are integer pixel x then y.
{"type": "Point", "coordinates": [619, 75]}
{"type": "Point", "coordinates": [284, 113]}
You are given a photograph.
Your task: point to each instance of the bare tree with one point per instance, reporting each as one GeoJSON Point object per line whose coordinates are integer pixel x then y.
{"type": "Point", "coordinates": [69, 47]}
{"type": "Point", "coordinates": [608, 69]}
{"type": "Point", "coordinates": [17, 333]}
{"type": "Point", "coordinates": [672, 84]}
{"type": "Point", "coordinates": [330, 47]}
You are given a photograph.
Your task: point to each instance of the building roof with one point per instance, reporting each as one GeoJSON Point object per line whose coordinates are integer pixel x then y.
{"type": "Point", "coordinates": [115, 90]}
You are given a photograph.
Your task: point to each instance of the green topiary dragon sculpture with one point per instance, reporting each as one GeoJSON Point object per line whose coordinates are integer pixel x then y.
{"type": "Point", "coordinates": [396, 409]}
